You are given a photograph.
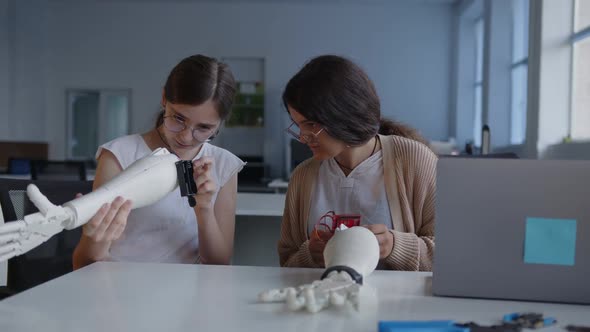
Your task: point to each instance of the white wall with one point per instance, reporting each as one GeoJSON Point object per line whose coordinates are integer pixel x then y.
{"type": "Point", "coordinates": [22, 67]}
{"type": "Point", "coordinates": [404, 46]}
{"type": "Point", "coordinates": [6, 91]}
{"type": "Point", "coordinates": [49, 46]}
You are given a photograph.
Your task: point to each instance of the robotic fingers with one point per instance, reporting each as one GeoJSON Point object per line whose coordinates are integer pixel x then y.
{"type": "Point", "coordinates": [350, 255]}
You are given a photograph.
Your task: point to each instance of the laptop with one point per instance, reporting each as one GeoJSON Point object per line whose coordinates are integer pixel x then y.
{"type": "Point", "coordinates": [513, 229]}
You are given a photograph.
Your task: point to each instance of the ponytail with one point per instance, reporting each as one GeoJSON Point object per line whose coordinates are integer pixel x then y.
{"type": "Point", "coordinates": [389, 127]}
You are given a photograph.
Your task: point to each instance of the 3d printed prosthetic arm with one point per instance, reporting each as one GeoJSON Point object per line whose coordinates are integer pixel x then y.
{"type": "Point", "coordinates": [144, 182]}
{"type": "Point", "coordinates": [350, 255]}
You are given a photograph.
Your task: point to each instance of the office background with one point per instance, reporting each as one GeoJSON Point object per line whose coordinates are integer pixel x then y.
{"type": "Point", "coordinates": [445, 67]}
{"type": "Point", "coordinates": [426, 57]}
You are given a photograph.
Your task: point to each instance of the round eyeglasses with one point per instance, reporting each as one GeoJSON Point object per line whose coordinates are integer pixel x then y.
{"type": "Point", "coordinates": [176, 124]}
{"type": "Point", "coordinates": [308, 132]}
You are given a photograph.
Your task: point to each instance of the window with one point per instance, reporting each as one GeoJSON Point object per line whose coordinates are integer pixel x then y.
{"type": "Point", "coordinates": [95, 117]}
{"type": "Point", "coordinates": [478, 86]}
{"type": "Point", "coordinates": [519, 70]}
{"type": "Point", "coordinates": [582, 15]}
{"type": "Point", "coordinates": [580, 106]}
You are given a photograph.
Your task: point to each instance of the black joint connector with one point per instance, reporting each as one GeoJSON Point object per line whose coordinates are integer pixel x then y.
{"type": "Point", "coordinates": [186, 181]}
{"type": "Point", "coordinates": [357, 277]}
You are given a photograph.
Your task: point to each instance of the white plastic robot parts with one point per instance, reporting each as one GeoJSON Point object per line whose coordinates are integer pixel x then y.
{"type": "Point", "coordinates": [144, 182]}
{"type": "Point", "coordinates": [350, 255]}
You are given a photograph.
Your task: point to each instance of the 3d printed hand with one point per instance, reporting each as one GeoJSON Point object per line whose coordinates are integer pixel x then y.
{"type": "Point", "coordinates": [144, 182]}
{"type": "Point", "coordinates": [350, 255]}
{"type": "Point", "coordinates": [337, 289]}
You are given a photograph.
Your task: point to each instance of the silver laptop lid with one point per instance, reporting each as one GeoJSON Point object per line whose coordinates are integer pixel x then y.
{"type": "Point", "coordinates": [513, 229]}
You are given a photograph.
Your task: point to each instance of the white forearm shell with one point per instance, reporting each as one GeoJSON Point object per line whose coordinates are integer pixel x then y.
{"type": "Point", "coordinates": [144, 182]}
{"type": "Point", "coordinates": [356, 247]}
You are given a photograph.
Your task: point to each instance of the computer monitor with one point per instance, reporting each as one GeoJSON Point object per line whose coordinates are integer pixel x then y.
{"type": "Point", "coordinates": [513, 229]}
{"type": "Point", "coordinates": [298, 152]}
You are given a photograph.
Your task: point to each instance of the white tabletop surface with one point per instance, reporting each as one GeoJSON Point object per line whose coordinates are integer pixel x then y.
{"type": "Point", "coordinates": [259, 204]}
{"type": "Point", "coordinates": [173, 297]}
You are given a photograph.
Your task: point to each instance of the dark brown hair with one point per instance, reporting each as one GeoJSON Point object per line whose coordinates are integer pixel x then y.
{"type": "Point", "coordinates": [338, 94]}
{"type": "Point", "coordinates": [198, 78]}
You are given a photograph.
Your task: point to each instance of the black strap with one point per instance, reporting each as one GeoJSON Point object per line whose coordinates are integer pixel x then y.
{"type": "Point", "coordinates": [357, 277]}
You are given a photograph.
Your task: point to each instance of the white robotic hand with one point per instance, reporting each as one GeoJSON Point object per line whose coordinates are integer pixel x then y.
{"type": "Point", "coordinates": [350, 255]}
{"type": "Point", "coordinates": [337, 289]}
{"type": "Point", "coordinates": [144, 182]}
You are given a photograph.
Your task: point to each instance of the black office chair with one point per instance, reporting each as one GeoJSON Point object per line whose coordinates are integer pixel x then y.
{"type": "Point", "coordinates": [299, 153]}
{"type": "Point", "coordinates": [19, 166]}
{"type": "Point", "coordinates": [51, 259]}
{"type": "Point", "coordinates": [58, 170]}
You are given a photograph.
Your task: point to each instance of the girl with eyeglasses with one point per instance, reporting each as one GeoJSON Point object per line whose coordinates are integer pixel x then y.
{"type": "Point", "coordinates": [362, 165]}
{"type": "Point", "coordinates": [196, 99]}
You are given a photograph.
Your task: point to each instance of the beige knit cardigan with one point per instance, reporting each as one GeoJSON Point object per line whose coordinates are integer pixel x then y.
{"type": "Point", "coordinates": [410, 180]}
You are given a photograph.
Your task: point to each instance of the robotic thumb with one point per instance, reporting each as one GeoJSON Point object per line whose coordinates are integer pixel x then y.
{"type": "Point", "coordinates": [40, 200]}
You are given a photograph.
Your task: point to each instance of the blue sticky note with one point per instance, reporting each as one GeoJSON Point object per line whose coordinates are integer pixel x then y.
{"type": "Point", "coordinates": [550, 241]}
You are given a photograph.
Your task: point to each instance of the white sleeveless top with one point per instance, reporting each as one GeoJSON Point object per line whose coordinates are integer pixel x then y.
{"type": "Point", "coordinates": [167, 230]}
{"type": "Point", "coordinates": [362, 192]}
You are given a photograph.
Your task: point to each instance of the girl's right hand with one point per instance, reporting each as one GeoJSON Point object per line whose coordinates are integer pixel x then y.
{"type": "Point", "coordinates": [317, 244]}
{"type": "Point", "coordinates": [109, 221]}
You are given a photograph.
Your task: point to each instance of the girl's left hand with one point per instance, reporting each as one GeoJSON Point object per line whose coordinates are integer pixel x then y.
{"type": "Point", "coordinates": [384, 237]}
{"type": "Point", "coordinates": [206, 185]}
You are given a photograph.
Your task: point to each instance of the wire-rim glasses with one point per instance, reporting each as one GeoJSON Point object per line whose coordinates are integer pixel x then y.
{"type": "Point", "coordinates": [307, 137]}
{"type": "Point", "coordinates": [176, 125]}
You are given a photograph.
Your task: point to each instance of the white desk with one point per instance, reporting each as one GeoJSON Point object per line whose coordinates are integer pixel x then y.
{"type": "Point", "coordinates": [258, 204]}
{"type": "Point", "coordinates": [171, 297]}
{"type": "Point", "coordinates": [279, 185]}
{"type": "Point", "coordinates": [258, 226]}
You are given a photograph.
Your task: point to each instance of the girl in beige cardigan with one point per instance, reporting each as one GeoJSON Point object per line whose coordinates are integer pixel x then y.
{"type": "Point", "coordinates": [335, 111]}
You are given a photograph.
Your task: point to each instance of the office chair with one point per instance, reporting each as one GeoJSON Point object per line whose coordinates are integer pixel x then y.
{"type": "Point", "coordinates": [19, 166]}
{"type": "Point", "coordinates": [299, 153]}
{"type": "Point", "coordinates": [52, 258]}
{"type": "Point", "coordinates": [58, 170]}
